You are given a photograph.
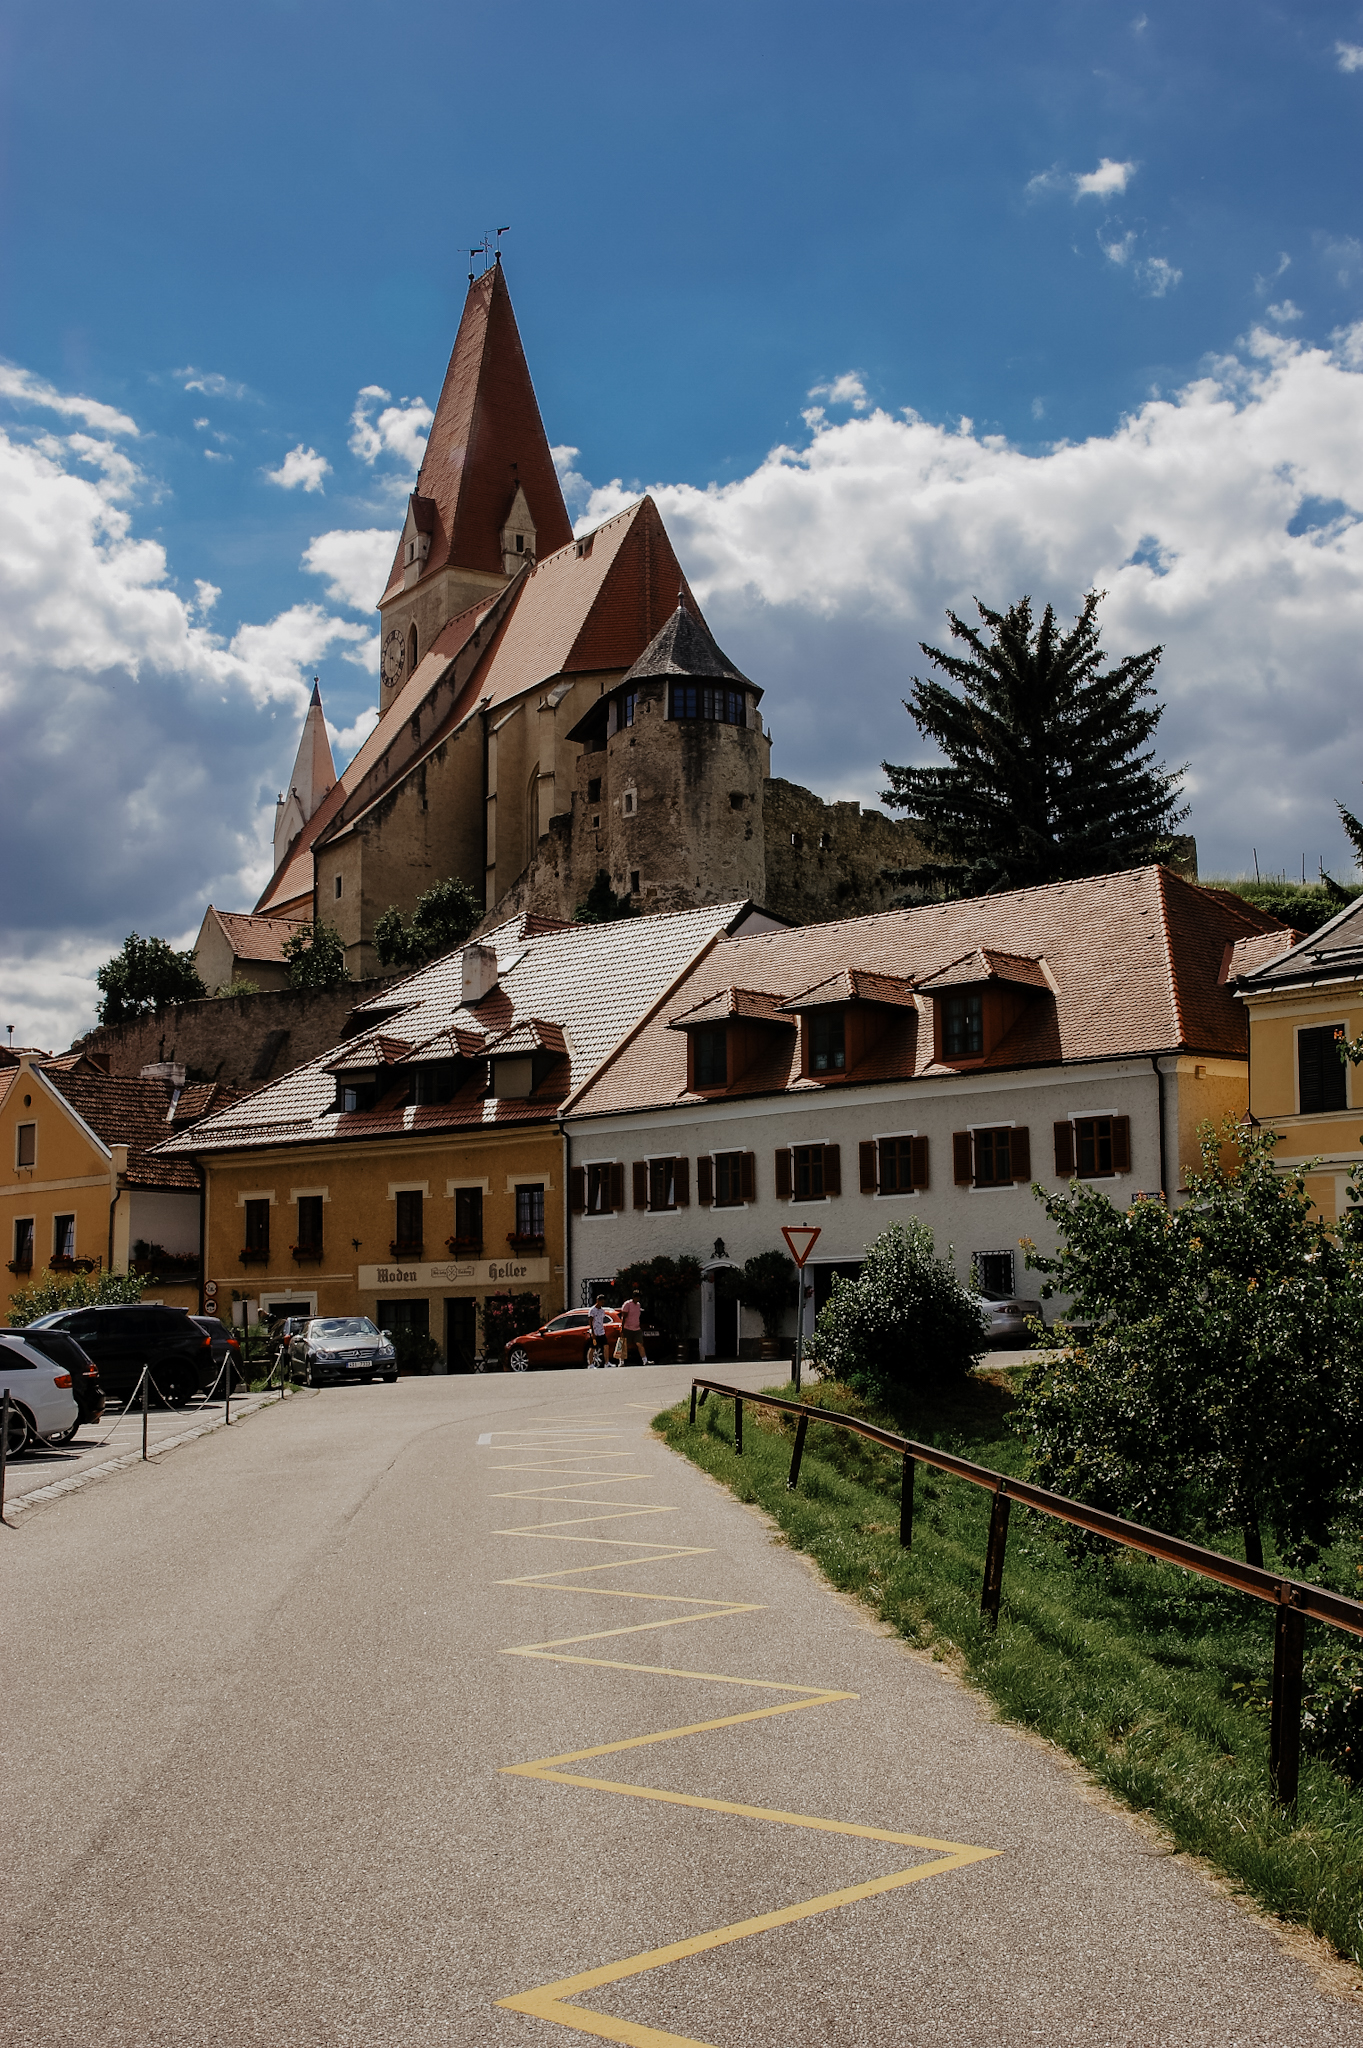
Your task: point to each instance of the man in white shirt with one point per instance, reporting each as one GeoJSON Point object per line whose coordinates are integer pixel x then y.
{"type": "Point", "coordinates": [596, 1350]}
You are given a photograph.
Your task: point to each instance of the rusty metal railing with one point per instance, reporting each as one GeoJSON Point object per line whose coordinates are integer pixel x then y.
{"type": "Point", "coordinates": [1293, 1600]}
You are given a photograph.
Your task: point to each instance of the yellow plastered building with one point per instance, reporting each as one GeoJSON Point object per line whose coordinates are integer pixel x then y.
{"type": "Point", "coordinates": [1299, 1005]}
{"type": "Point", "coordinates": [81, 1191]}
{"type": "Point", "coordinates": [418, 1168]}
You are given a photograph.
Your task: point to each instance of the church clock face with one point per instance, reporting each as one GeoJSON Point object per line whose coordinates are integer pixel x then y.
{"type": "Point", "coordinates": [393, 658]}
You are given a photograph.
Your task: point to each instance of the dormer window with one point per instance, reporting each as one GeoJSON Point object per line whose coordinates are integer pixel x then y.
{"type": "Point", "coordinates": [710, 1050]}
{"type": "Point", "coordinates": [963, 1025]}
{"type": "Point", "coordinates": [355, 1098]}
{"type": "Point", "coordinates": [827, 1042]}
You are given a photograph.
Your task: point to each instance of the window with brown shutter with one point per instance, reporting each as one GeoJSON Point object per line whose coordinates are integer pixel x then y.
{"type": "Point", "coordinates": [1064, 1149]}
{"type": "Point", "coordinates": [1102, 1146]}
{"type": "Point", "coordinates": [961, 1166]}
{"type": "Point", "coordinates": [1121, 1144]}
{"type": "Point", "coordinates": [783, 1174]}
{"type": "Point", "coordinates": [577, 1189]}
{"type": "Point", "coordinates": [662, 1183]}
{"type": "Point", "coordinates": [920, 1163]}
{"type": "Point", "coordinates": [866, 1167]}
{"type": "Point", "coordinates": [641, 1183]}
{"type": "Point", "coordinates": [705, 1179]}
{"type": "Point", "coordinates": [601, 1188]}
{"type": "Point", "coordinates": [1021, 1149]}
{"type": "Point", "coordinates": [993, 1156]}
{"type": "Point", "coordinates": [747, 1176]}
{"type": "Point", "coordinates": [832, 1170]}
{"type": "Point", "coordinates": [618, 1184]}
{"type": "Point", "coordinates": [681, 1183]}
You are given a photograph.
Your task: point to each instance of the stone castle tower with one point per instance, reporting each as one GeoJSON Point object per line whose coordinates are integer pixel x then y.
{"type": "Point", "coordinates": [553, 708]}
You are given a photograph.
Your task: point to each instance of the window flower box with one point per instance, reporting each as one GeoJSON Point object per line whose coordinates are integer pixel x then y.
{"type": "Point", "coordinates": [254, 1255]}
{"type": "Point", "coordinates": [67, 1262]}
{"type": "Point", "coordinates": [305, 1254]}
{"type": "Point", "coordinates": [525, 1244]}
{"type": "Point", "coordinates": [464, 1247]}
{"type": "Point", "coordinates": [406, 1248]}
{"type": "Point", "coordinates": [21, 1265]}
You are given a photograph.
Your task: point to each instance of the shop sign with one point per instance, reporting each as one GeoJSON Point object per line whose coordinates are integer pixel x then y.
{"type": "Point", "coordinates": [475, 1273]}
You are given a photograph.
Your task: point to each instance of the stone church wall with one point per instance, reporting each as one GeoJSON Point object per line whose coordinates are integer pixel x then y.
{"type": "Point", "coordinates": [241, 1041]}
{"type": "Point", "coordinates": [826, 860]}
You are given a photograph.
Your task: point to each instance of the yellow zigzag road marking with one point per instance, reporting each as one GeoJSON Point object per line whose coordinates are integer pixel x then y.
{"type": "Point", "coordinates": [548, 2001]}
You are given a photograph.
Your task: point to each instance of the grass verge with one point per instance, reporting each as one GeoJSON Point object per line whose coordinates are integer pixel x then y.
{"type": "Point", "coordinates": [1158, 1682]}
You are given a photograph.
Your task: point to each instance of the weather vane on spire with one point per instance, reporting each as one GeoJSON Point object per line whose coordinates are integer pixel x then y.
{"type": "Point", "coordinates": [488, 248]}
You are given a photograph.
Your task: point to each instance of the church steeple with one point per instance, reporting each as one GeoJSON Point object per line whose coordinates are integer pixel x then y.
{"type": "Point", "coordinates": [487, 497]}
{"type": "Point", "coordinates": [314, 772]}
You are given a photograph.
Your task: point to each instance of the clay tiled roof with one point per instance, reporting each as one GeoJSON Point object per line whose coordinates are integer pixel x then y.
{"type": "Point", "coordinates": [1334, 953]}
{"type": "Point", "coordinates": [487, 436]}
{"type": "Point", "coordinates": [1135, 958]}
{"type": "Point", "coordinates": [592, 982]}
{"type": "Point", "coordinates": [532, 1034]}
{"type": "Point", "coordinates": [448, 1045]}
{"type": "Point", "coordinates": [852, 985]}
{"type": "Point", "coordinates": [732, 1002]}
{"type": "Point", "coordinates": [373, 1049]}
{"type": "Point", "coordinates": [253, 937]}
{"type": "Point", "coordinates": [987, 963]}
{"type": "Point", "coordinates": [122, 1110]}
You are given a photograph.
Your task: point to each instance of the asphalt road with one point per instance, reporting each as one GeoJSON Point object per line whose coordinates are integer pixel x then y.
{"type": "Point", "coordinates": [270, 1700]}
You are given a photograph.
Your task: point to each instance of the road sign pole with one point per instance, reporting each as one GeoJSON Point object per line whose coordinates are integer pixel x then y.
{"type": "Point", "coordinates": [801, 1239]}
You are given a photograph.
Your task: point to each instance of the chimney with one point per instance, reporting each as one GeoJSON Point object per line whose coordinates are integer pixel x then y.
{"type": "Point", "coordinates": [479, 973]}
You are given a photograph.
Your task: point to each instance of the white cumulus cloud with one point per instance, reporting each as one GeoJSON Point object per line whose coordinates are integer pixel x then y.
{"type": "Point", "coordinates": [355, 563]}
{"type": "Point", "coordinates": [398, 430]}
{"type": "Point", "coordinates": [301, 466]}
{"type": "Point", "coordinates": [848, 389]}
{"type": "Point", "coordinates": [21, 387]}
{"type": "Point", "coordinates": [1109, 178]}
{"type": "Point", "coordinates": [1285, 312]}
{"type": "Point", "coordinates": [1349, 56]}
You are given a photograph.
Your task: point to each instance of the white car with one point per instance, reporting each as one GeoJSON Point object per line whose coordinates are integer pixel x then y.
{"type": "Point", "coordinates": [40, 1397]}
{"type": "Point", "coordinates": [343, 1348]}
{"type": "Point", "coordinates": [1005, 1317]}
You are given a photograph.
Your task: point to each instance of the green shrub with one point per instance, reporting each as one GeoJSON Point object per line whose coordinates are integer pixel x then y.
{"type": "Point", "coordinates": [414, 1350]}
{"type": "Point", "coordinates": [82, 1290]}
{"type": "Point", "coordinates": [905, 1325]}
{"type": "Point", "coordinates": [665, 1289]}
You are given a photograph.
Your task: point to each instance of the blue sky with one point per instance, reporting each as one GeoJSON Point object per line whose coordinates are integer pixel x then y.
{"type": "Point", "coordinates": [925, 250]}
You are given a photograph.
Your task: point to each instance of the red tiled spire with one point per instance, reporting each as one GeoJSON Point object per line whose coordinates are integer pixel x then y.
{"type": "Point", "coordinates": [487, 436]}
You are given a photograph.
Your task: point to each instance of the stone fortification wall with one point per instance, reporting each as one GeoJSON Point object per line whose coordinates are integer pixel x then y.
{"type": "Point", "coordinates": [241, 1041]}
{"type": "Point", "coordinates": [826, 860]}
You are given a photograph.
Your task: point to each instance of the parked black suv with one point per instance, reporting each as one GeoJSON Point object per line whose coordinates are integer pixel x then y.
{"type": "Point", "coordinates": [122, 1339]}
{"type": "Point", "coordinates": [64, 1351]}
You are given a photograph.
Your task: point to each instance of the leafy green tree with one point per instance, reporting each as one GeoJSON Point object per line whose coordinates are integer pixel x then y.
{"type": "Point", "coordinates": [48, 1297]}
{"type": "Point", "coordinates": [443, 918]}
{"type": "Point", "coordinates": [316, 957]}
{"type": "Point", "coordinates": [146, 975]}
{"type": "Point", "coordinates": [1217, 1380]}
{"type": "Point", "coordinates": [906, 1326]}
{"type": "Point", "coordinates": [601, 905]}
{"type": "Point", "coordinates": [1048, 772]}
{"type": "Point", "coordinates": [665, 1287]}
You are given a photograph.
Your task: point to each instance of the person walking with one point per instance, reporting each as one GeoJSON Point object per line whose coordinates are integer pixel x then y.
{"type": "Point", "coordinates": [631, 1333]}
{"type": "Point", "coordinates": [596, 1350]}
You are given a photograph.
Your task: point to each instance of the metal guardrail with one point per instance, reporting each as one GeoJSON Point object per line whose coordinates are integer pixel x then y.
{"type": "Point", "coordinates": [1293, 1600]}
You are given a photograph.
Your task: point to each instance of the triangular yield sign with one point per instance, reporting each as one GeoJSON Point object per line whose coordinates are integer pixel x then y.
{"type": "Point", "coordinates": [801, 1237]}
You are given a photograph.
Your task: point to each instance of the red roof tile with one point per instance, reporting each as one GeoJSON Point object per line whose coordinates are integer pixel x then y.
{"type": "Point", "coordinates": [854, 985]}
{"type": "Point", "coordinates": [751, 1003]}
{"type": "Point", "coordinates": [1135, 960]}
{"type": "Point", "coordinates": [253, 937]}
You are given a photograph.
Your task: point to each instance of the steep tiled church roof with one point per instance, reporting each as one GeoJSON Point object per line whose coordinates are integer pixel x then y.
{"type": "Point", "coordinates": [487, 437]}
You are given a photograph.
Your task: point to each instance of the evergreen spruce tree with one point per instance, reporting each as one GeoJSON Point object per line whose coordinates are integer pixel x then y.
{"type": "Point", "coordinates": [1048, 772]}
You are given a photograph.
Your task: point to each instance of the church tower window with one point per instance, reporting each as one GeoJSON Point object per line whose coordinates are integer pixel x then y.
{"type": "Point", "coordinates": [722, 706]}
